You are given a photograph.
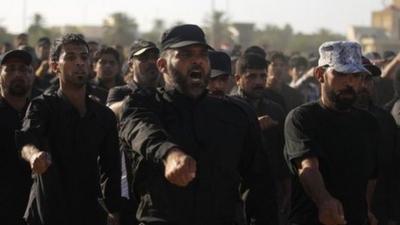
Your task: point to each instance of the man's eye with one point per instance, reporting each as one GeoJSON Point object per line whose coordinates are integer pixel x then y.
{"type": "Point", "coordinates": [70, 57]}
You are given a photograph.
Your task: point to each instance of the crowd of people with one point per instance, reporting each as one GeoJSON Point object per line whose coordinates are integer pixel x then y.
{"type": "Point", "coordinates": [182, 133]}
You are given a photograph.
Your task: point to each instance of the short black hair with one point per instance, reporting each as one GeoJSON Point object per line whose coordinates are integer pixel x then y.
{"type": "Point", "coordinates": [297, 61]}
{"type": "Point", "coordinates": [254, 49]}
{"type": "Point", "coordinates": [70, 38]}
{"type": "Point", "coordinates": [43, 41]}
{"type": "Point", "coordinates": [106, 50]}
{"type": "Point", "coordinates": [276, 55]}
{"type": "Point", "coordinates": [250, 61]}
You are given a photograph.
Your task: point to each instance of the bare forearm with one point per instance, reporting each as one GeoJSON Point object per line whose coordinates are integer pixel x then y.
{"type": "Point", "coordinates": [116, 107]}
{"type": "Point", "coordinates": [28, 151]}
{"type": "Point", "coordinates": [370, 192]}
{"type": "Point", "coordinates": [313, 184]}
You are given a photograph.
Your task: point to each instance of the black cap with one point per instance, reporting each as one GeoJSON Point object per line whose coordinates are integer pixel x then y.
{"type": "Point", "coordinates": [43, 41]}
{"type": "Point", "coordinates": [220, 64]}
{"type": "Point", "coordinates": [183, 35]}
{"type": "Point", "coordinates": [256, 50]}
{"type": "Point", "coordinates": [374, 70]}
{"type": "Point", "coordinates": [140, 46]}
{"type": "Point", "coordinates": [20, 54]}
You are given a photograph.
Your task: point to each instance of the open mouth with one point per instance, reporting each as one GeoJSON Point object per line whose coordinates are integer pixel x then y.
{"type": "Point", "coordinates": [196, 75]}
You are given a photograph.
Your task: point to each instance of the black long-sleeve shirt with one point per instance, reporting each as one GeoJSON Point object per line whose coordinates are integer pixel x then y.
{"type": "Point", "coordinates": [15, 173]}
{"type": "Point", "coordinates": [85, 160]}
{"type": "Point", "coordinates": [221, 134]}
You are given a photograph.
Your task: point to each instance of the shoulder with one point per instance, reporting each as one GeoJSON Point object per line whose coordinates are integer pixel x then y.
{"type": "Point", "coordinates": [104, 113]}
{"type": "Point", "coordinates": [232, 107]}
{"type": "Point", "coordinates": [305, 110]}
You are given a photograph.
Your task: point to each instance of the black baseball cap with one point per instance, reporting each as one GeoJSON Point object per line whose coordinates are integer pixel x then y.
{"type": "Point", "coordinates": [374, 70]}
{"type": "Point", "coordinates": [140, 46]}
{"type": "Point", "coordinates": [20, 54]}
{"type": "Point", "coordinates": [183, 35]}
{"type": "Point", "coordinates": [220, 63]}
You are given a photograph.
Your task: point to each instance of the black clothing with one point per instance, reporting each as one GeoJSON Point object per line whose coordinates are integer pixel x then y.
{"type": "Point", "coordinates": [99, 83]}
{"type": "Point", "coordinates": [345, 144]}
{"type": "Point", "coordinates": [117, 94]}
{"type": "Point", "coordinates": [291, 96]}
{"type": "Point", "coordinates": [276, 97]}
{"type": "Point", "coordinates": [84, 154]}
{"type": "Point", "coordinates": [221, 134]}
{"type": "Point", "coordinates": [386, 197]}
{"type": "Point", "coordinates": [384, 91]}
{"type": "Point", "coordinates": [273, 142]}
{"type": "Point", "coordinates": [15, 173]}
{"type": "Point", "coordinates": [94, 92]}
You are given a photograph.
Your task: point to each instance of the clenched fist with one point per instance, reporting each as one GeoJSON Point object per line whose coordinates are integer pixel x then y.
{"type": "Point", "coordinates": [180, 168]}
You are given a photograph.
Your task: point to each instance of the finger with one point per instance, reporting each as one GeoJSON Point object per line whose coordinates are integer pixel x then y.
{"type": "Point", "coordinates": [340, 214]}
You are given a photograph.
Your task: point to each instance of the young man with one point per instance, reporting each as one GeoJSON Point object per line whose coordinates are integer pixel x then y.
{"type": "Point", "coordinates": [107, 66]}
{"type": "Point", "coordinates": [251, 75]}
{"type": "Point", "coordinates": [71, 144]}
{"type": "Point", "coordinates": [331, 146]}
{"type": "Point", "coordinates": [16, 79]}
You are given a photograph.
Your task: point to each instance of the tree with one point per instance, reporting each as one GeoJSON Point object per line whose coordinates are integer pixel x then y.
{"type": "Point", "coordinates": [37, 29]}
{"type": "Point", "coordinates": [217, 29]}
{"type": "Point", "coordinates": [120, 29]}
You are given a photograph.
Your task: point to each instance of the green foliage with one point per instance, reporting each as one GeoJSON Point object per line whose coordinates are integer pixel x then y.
{"type": "Point", "coordinates": [119, 29]}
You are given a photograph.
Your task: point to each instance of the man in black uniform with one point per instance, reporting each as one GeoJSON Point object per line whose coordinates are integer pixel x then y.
{"type": "Point", "coordinates": [251, 75]}
{"type": "Point", "coordinates": [196, 149]}
{"type": "Point", "coordinates": [385, 200]}
{"type": "Point", "coordinates": [71, 143]}
{"type": "Point", "coordinates": [331, 146]}
{"type": "Point", "coordinates": [143, 73]}
{"type": "Point", "coordinates": [16, 79]}
{"type": "Point", "coordinates": [220, 75]}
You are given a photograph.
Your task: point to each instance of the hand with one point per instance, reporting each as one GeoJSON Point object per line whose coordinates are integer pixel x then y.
{"type": "Point", "coordinates": [266, 122]}
{"type": "Point", "coordinates": [180, 168]}
{"type": "Point", "coordinates": [372, 219]}
{"type": "Point", "coordinates": [330, 212]}
{"type": "Point", "coordinates": [40, 161]}
{"type": "Point", "coordinates": [113, 219]}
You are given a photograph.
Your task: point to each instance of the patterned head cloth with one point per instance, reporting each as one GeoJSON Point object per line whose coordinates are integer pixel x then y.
{"type": "Point", "coordinates": [342, 56]}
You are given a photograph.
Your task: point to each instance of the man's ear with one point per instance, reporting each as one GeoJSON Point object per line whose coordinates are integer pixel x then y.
{"type": "Point", "coordinates": [237, 79]}
{"type": "Point", "coordinates": [319, 74]}
{"type": "Point", "coordinates": [162, 65]}
{"type": "Point", "coordinates": [54, 67]}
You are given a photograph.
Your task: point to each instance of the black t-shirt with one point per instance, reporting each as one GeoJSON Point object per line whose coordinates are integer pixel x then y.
{"type": "Point", "coordinates": [15, 174]}
{"type": "Point", "coordinates": [345, 144]}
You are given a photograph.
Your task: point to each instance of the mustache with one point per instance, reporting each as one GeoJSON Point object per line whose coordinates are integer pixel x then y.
{"type": "Point", "coordinates": [347, 90]}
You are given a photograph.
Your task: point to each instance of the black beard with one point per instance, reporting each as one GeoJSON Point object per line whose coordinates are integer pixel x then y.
{"type": "Point", "coordinates": [341, 103]}
{"type": "Point", "coordinates": [180, 82]}
{"type": "Point", "coordinates": [18, 90]}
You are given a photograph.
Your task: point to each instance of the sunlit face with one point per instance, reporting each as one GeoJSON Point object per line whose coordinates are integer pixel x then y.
{"type": "Point", "coordinates": [219, 85]}
{"type": "Point", "coordinates": [144, 68]}
{"type": "Point", "coordinates": [188, 70]}
{"type": "Point", "coordinates": [277, 71]}
{"type": "Point", "coordinates": [106, 67]}
{"type": "Point", "coordinates": [43, 51]}
{"type": "Point", "coordinates": [73, 65]}
{"type": "Point", "coordinates": [341, 88]}
{"type": "Point", "coordinates": [16, 78]}
{"type": "Point", "coordinates": [252, 82]}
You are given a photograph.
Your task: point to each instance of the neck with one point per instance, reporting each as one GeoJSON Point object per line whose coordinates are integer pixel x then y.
{"type": "Point", "coordinates": [330, 105]}
{"type": "Point", "coordinates": [18, 103]}
{"type": "Point", "coordinates": [76, 95]}
{"type": "Point", "coordinates": [109, 83]}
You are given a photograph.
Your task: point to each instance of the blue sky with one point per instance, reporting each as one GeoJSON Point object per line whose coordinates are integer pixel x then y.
{"type": "Point", "coordinates": [304, 15]}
